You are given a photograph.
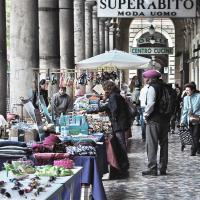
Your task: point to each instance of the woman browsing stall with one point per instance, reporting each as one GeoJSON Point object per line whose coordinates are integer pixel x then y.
{"type": "Point", "coordinates": [117, 110]}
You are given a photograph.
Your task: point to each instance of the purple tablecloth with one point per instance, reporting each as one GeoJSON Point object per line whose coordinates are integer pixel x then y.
{"type": "Point", "coordinates": [93, 169]}
{"type": "Point", "coordinates": [91, 175]}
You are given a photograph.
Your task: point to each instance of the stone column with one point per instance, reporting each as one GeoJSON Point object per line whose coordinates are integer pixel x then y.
{"type": "Point", "coordinates": [49, 39]}
{"type": "Point", "coordinates": [102, 35]}
{"type": "Point", "coordinates": [66, 20]}
{"type": "Point", "coordinates": [126, 77]}
{"type": "Point", "coordinates": [66, 16]}
{"type": "Point", "coordinates": [124, 34]}
{"type": "Point", "coordinates": [197, 75]}
{"type": "Point", "coordinates": [198, 65]}
{"type": "Point", "coordinates": [3, 59]}
{"type": "Point", "coordinates": [24, 51]}
{"type": "Point", "coordinates": [88, 29]}
{"type": "Point", "coordinates": [185, 39]}
{"type": "Point", "coordinates": [107, 48]}
{"type": "Point", "coordinates": [95, 32]}
{"type": "Point", "coordinates": [188, 33]}
{"type": "Point", "coordinates": [111, 38]}
{"type": "Point", "coordinates": [192, 75]}
{"type": "Point", "coordinates": [117, 38]}
{"type": "Point", "coordinates": [79, 30]}
{"type": "Point", "coordinates": [89, 36]}
{"type": "Point", "coordinates": [114, 36]}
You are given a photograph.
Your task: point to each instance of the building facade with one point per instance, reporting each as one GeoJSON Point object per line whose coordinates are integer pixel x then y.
{"type": "Point", "coordinates": [55, 34]}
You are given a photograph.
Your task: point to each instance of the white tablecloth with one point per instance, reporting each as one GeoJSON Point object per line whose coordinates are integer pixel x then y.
{"type": "Point", "coordinates": [50, 193]}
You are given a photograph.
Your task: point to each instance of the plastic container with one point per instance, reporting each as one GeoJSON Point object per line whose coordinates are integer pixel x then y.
{"type": "Point", "coordinates": [62, 121]}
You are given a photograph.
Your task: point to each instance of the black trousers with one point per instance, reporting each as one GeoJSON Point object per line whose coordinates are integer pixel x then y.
{"type": "Point", "coordinates": [195, 131]}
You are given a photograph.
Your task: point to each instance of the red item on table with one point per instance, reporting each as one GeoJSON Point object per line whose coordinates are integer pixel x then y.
{"type": "Point", "coordinates": [48, 158]}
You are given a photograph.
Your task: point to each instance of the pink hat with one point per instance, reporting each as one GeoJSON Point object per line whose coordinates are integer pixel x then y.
{"type": "Point", "coordinates": [151, 74]}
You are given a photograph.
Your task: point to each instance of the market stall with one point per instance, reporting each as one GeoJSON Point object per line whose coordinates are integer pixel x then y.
{"type": "Point", "coordinates": [27, 184]}
{"type": "Point", "coordinates": [110, 65]}
{"type": "Point", "coordinates": [119, 59]}
{"type": "Point", "coordinates": [65, 141]}
{"type": "Point", "coordinates": [75, 136]}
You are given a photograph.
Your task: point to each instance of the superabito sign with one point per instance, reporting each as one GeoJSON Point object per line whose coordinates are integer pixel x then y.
{"type": "Point", "coordinates": [146, 8]}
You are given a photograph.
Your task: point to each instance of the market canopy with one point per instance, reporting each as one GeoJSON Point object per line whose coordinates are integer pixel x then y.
{"type": "Point", "coordinates": [116, 58]}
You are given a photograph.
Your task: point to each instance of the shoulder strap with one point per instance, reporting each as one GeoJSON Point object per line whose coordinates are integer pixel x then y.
{"type": "Point", "coordinates": [146, 95]}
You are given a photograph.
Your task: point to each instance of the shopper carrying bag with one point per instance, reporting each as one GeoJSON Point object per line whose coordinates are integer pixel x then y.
{"type": "Point", "coordinates": [191, 107]}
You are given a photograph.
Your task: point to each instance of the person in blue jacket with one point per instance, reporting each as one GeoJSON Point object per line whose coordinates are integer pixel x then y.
{"type": "Point", "coordinates": [191, 104]}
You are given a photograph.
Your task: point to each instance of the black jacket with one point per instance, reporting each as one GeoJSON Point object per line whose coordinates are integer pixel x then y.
{"type": "Point", "coordinates": [44, 93]}
{"type": "Point", "coordinates": [35, 100]}
{"type": "Point", "coordinates": [118, 112]}
{"type": "Point", "coordinates": [156, 114]}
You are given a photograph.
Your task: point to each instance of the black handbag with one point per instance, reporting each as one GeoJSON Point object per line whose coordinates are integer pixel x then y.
{"type": "Point", "coordinates": [185, 136]}
{"type": "Point", "coordinates": [132, 108]}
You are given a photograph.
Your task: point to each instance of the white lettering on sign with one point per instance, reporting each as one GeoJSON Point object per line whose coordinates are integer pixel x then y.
{"type": "Point", "coordinates": [151, 50]}
{"type": "Point", "coordinates": [146, 8]}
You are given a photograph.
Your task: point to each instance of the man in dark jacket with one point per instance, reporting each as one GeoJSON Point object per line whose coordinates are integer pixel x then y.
{"type": "Point", "coordinates": [120, 120]}
{"type": "Point", "coordinates": [61, 102]}
{"type": "Point", "coordinates": [157, 126]}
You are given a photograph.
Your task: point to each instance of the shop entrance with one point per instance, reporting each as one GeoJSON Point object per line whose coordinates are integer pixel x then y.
{"type": "Point", "coordinates": [154, 39]}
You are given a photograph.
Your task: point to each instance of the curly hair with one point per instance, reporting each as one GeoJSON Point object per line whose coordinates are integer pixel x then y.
{"type": "Point", "coordinates": [110, 86]}
{"type": "Point", "coordinates": [190, 85]}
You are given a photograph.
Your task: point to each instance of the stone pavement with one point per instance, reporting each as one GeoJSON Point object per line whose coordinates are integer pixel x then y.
{"type": "Point", "coordinates": [182, 181]}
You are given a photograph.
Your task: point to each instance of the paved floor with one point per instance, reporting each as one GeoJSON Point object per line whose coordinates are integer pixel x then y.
{"type": "Point", "coordinates": [182, 181]}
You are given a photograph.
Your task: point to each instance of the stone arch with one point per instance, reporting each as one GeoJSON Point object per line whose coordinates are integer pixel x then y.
{"type": "Point", "coordinates": [145, 30]}
{"type": "Point", "coordinates": [136, 30]}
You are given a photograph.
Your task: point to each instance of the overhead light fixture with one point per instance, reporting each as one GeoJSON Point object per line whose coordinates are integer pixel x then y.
{"type": "Point", "coordinates": [152, 40]}
{"type": "Point", "coordinates": [151, 30]}
{"type": "Point", "coordinates": [118, 34]}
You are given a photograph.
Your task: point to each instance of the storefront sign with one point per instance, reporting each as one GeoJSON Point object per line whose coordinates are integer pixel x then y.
{"type": "Point", "coordinates": [147, 40]}
{"type": "Point", "coordinates": [151, 50]}
{"type": "Point", "coordinates": [146, 8]}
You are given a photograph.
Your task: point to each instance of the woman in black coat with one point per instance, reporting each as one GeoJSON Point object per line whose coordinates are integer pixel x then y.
{"type": "Point", "coordinates": [120, 120]}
